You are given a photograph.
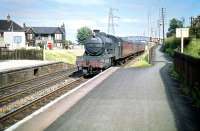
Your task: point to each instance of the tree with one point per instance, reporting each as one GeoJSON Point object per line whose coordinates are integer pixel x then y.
{"type": "Point", "coordinates": [83, 34]}
{"type": "Point", "coordinates": [195, 27]}
{"type": "Point", "coordinates": [174, 23]}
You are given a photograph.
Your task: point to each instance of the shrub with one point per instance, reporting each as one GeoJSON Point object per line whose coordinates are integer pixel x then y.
{"type": "Point", "coordinates": [193, 48]}
{"type": "Point", "coordinates": [172, 44]}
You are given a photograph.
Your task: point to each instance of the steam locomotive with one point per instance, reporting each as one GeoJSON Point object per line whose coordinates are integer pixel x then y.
{"type": "Point", "coordinates": [103, 50]}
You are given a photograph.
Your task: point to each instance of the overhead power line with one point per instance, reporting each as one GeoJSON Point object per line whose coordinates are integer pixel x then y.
{"type": "Point", "coordinates": [111, 21]}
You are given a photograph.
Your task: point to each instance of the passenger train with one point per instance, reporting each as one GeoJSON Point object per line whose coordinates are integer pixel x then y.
{"type": "Point", "coordinates": [103, 50]}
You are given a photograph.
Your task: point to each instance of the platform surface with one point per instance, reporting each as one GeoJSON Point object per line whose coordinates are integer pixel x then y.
{"type": "Point", "coordinates": [131, 99]}
{"type": "Point", "coordinates": [8, 65]}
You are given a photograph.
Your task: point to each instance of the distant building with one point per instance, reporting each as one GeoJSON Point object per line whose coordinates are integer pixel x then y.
{"type": "Point", "coordinates": [47, 36]}
{"type": "Point", "coordinates": [12, 35]}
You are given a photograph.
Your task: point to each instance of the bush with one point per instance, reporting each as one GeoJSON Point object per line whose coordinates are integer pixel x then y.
{"type": "Point", "coordinates": [172, 44]}
{"type": "Point", "coordinates": [193, 48]}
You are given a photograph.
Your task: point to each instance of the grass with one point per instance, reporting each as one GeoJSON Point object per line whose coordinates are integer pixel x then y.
{"type": "Point", "coordinates": [67, 56]}
{"type": "Point", "coordinates": [193, 48]}
{"type": "Point", "coordinates": [141, 62]}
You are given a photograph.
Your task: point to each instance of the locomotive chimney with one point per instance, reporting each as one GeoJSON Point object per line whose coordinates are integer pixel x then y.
{"type": "Point", "coordinates": [96, 31]}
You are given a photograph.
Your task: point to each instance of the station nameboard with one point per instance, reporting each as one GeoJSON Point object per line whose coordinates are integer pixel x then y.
{"type": "Point", "coordinates": [182, 32]}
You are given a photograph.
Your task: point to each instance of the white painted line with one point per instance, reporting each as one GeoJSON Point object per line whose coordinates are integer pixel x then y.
{"type": "Point", "coordinates": [45, 108]}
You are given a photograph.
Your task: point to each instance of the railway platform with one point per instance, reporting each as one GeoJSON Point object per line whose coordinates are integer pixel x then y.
{"type": "Point", "coordinates": [17, 71]}
{"type": "Point", "coordinates": [9, 65]}
{"type": "Point", "coordinates": [120, 99]}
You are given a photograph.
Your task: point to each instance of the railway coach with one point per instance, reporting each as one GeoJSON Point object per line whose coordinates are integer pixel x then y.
{"type": "Point", "coordinates": [103, 50]}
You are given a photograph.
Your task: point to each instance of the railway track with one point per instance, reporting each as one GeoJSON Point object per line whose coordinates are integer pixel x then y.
{"type": "Point", "coordinates": [21, 112]}
{"type": "Point", "coordinates": [35, 79]}
{"type": "Point", "coordinates": [15, 92]}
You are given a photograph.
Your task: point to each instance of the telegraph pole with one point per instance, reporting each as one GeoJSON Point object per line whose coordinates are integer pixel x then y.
{"type": "Point", "coordinates": [163, 23]}
{"type": "Point", "coordinates": [159, 30]}
{"type": "Point", "coordinates": [111, 23]}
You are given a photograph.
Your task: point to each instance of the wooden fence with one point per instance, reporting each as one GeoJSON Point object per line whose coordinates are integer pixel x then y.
{"type": "Point", "coordinates": [31, 54]}
{"type": "Point", "coordinates": [188, 67]}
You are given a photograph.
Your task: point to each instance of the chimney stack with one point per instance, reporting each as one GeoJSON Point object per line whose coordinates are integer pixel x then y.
{"type": "Point", "coordinates": [8, 18]}
{"type": "Point", "coordinates": [63, 25]}
{"type": "Point", "coordinates": [24, 25]}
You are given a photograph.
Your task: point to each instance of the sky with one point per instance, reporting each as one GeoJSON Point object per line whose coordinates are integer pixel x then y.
{"type": "Point", "coordinates": [134, 14]}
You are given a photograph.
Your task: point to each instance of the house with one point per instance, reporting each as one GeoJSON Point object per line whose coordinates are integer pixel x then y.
{"type": "Point", "coordinates": [12, 35]}
{"type": "Point", "coordinates": [50, 37]}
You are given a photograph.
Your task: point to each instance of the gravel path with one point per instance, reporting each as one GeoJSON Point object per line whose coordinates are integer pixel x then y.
{"type": "Point", "coordinates": [131, 99]}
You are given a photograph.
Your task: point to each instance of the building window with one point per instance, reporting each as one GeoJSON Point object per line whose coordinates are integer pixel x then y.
{"type": "Point", "coordinates": [17, 39]}
{"type": "Point", "coordinates": [58, 36]}
{"type": "Point", "coordinates": [49, 37]}
{"type": "Point", "coordinates": [29, 36]}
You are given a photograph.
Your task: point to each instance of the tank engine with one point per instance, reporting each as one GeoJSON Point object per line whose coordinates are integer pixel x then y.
{"type": "Point", "coordinates": [103, 50]}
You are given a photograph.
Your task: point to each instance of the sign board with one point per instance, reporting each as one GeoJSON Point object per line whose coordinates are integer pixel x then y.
{"type": "Point", "coordinates": [182, 32]}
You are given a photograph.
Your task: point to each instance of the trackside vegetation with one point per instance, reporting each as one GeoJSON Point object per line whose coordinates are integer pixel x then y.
{"type": "Point", "coordinates": [140, 61]}
{"type": "Point", "coordinates": [193, 48]}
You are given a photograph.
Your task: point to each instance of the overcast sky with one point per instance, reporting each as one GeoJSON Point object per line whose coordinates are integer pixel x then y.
{"type": "Point", "coordinates": [94, 13]}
